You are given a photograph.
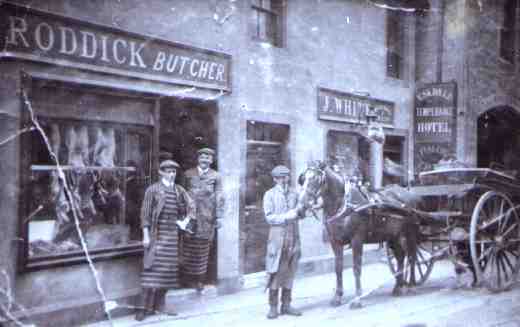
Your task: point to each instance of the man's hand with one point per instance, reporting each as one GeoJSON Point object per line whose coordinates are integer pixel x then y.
{"type": "Point", "coordinates": [146, 238]}
{"type": "Point", "coordinates": [218, 224]}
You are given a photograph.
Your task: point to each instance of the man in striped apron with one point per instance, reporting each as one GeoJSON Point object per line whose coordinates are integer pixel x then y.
{"type": "Point", "coordinates": [283, 246]}
{"type": "Point", "coordinates": [164, 203]}
{"type": "Point", "coordinates": [204, 186]}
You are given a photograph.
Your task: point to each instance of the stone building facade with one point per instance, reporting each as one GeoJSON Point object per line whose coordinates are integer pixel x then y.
{"type": "Point", "coordinates": [171, 77]}
{"type": "Point", "coordinates": [475, 44]}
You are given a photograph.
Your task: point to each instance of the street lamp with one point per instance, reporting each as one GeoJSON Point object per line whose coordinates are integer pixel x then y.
{"type": "Point", "coordinates": [376, 136]}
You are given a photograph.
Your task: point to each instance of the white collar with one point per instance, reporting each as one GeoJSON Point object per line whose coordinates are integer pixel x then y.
{"type": "Point", "coordinates": [167, 183]}
{"type": "Point", "coordinates": [201, 171]}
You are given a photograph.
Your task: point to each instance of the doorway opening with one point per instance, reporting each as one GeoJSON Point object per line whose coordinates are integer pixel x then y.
{"type": "Point", "coordinates": [187, 125]}
{"type": "Point", "coordinates": [498, 139]}
{"type": "Point", "coordinates": [267, 147]}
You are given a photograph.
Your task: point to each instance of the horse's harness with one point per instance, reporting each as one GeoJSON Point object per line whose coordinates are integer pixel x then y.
{"type": "Point", "coordinates": [347, 197]}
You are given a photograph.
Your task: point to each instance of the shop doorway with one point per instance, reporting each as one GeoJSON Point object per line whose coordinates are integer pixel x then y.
{"type": "Point", "coordinates": [266, 148]}
{"type": "Point", "coordinates": [498, 143]}
{"type": "Point", "coordinates": [187, 125]}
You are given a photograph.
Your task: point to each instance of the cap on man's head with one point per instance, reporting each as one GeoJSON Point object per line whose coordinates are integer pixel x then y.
{"type": "Point", "coordinates": [280, 171]}
{"type": "Point", "coordinates": [207, 151]}
{"type": "Point", "coordinates": [169, 164]}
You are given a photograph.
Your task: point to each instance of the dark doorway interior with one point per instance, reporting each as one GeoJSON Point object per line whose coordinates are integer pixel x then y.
{"type": "Point", "coordinates": [499, 139]}
{"type": "Point", "coordinates": [267, 147]}
{"type": "Point", "coordinates": [186, 126]}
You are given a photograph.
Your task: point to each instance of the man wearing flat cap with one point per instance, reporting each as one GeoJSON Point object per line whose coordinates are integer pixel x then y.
{"type": "Point", "coordinates": [164, 204]}
{"type": "Point", "coordinates": [204, 186]}
{"type": "Point", "coordinates": [283, 245]}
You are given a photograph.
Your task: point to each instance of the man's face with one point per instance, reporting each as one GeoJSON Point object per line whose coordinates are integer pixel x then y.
{"type": "Point", "coordinates": [205, 160]}
{"type": "Point", "coordinates": [169, 174]}
{"type": "Point", "coordinates": [283, 181]}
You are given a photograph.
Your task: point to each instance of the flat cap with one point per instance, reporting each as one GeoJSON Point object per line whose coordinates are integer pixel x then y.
{"type": "Point", "coordinates": [169, 164]}
{"type": "Point", "coordinates": [208, 151]}
{"type": "Point", "coordinates": [279, 171]}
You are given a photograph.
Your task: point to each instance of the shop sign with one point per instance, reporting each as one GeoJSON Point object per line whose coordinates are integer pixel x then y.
{"type": "Point", "coordinates": [35, 35]}
{"type": "Point", "coordinates": [351, 108]}
{"type": "Point", "coordinates": [435, 121]}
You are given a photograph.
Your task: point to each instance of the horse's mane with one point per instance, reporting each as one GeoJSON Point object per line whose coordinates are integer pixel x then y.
{"type": "Point", "coordinates": [333, 192]}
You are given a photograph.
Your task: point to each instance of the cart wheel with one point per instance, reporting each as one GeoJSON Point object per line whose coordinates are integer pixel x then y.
{"type": "Point", "coordinates": [423, 263]}
{"type": "Point", "coordinates": [495, 240]}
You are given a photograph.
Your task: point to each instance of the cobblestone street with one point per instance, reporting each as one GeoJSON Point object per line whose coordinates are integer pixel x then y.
{"type": "Point", "coordinates": [433, 304]}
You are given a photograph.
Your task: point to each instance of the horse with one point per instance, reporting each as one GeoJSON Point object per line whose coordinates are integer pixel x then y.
{"type": "Point", "coordinates": [351, 218]}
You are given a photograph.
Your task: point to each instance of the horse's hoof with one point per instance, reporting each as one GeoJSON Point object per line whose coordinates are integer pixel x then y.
{"type": "Point", "coordinates": [335, 302]}
{"type": "Point", "coordinates": [397, 291]}
{"type": "Point", "coordinates": [356, 304]}
{"type": "Point", "coordinates": [411, 291]}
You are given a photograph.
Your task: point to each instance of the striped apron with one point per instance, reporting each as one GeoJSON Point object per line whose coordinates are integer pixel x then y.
{"type": "Point", "coordinates": [163, 274]}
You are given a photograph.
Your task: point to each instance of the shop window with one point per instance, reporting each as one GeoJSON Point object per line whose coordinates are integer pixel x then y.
{"type": "Point", "coordinates": [83, 183]}
{"type": "Point", "coordinates": [267, 147]}
{"type": "Point", "coordinates": [395, 44]}
{"type": "Point", "coordinates": [349, 155]}
{"type": "Point", "coordinates": [268, 20]}
{"type": "Point", "coordinates": [508, 31]}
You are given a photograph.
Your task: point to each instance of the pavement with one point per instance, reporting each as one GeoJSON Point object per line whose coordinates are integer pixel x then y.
{"type": "Point", "coordinates": [435, 303]}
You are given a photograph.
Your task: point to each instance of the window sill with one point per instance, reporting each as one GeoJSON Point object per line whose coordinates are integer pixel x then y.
{"type": "Point", "coordinates": [77, 257]}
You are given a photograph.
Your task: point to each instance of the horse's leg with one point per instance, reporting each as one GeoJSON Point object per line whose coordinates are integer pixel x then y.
{"type": "Point", "coordinates": [357, 258]}
{"type": "Point", "coordinates": [411, 245]}
{"type": "Point", "coordinates": [399, 255]}
{"type": "Point", "coordinates": [337, 247]}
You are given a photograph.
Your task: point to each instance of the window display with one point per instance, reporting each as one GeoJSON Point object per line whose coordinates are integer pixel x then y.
{"type": "Point", "coordinates": [85, 176]}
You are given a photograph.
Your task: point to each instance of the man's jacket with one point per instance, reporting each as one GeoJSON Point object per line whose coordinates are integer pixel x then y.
{"type": "Point", "coordinates": [153, 204]}
{"type": "Point", "coordinates": [276, 206]}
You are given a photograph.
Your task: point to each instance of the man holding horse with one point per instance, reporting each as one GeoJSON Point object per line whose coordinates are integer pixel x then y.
{"type": "Point", "coordinates": [283, 247]}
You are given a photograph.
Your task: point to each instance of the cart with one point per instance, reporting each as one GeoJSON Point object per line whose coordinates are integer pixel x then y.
{"type": "Point", "coordinates": [470, 216]}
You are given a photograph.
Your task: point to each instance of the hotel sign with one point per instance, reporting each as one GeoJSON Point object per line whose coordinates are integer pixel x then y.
{"type": "Point", "coordinates": [435, 122]}
{"type": "Point", "coordinates": [351, 108]}
{"type": "Point", "coordinates": [29, 34]}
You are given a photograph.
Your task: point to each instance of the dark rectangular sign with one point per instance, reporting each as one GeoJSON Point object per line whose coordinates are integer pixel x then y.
{"type": "Point", "coordinates": [30, 34]}
{"type": "Point", "coordinates": [435, 122]}
{"type": "Point", "coordinates": [347, 107]}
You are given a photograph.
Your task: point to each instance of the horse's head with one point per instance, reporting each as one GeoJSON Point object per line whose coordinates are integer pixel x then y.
{"type": "Point", "coordinates": [312, 181]}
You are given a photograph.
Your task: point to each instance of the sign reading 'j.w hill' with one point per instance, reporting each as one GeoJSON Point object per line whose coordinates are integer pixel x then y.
{"type": "Point", "coordinates": [435, 124]}
{"type": "Point", "coordinates": [41, 36]}
{"type": "Point", "coordinates": [346, 107]}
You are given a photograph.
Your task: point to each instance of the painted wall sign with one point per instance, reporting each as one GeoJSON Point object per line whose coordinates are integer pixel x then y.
{"type": "Point", "coordinates": [347, 107]}
{"type": "Point", "coordinates": [30, 34]}
{"type": "Point", "coordinates": [435, 124]}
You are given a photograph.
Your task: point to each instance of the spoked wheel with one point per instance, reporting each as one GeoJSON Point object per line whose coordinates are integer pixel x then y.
{"type": "Point", "coordinates": [495, 241]}
{"type": "Point", "coordinates": [423, 263]}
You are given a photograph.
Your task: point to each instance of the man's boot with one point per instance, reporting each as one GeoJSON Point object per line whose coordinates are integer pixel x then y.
{"type": "Point", "coordinates": [286, 304]}
{"type": "Point", "coordinates": [273, 304]}
{"type": "Point", "coordinates": [160, 303]}
{"type": "Point", "coordinates": [142, 310]}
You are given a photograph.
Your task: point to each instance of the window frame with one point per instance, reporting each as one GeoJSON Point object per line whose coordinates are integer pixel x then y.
{"type": "Point", "coordinates": [396, 45]}
{"type": "Point", "coordinates": [512, 27]}
{"type": "Point", "coordinates": [278, 18]}
{"type": "Point", "coordinates": [24, 262]}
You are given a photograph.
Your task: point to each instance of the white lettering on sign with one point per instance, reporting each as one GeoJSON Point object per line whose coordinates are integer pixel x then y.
{"type": "Point", "coordinates": [115, 49]}
{"type": "Point", "coordinates": [434, 127]}
{"type": "Point", "coordinates": [39, 39]}
{"type": "Point", "coordinates": [434, 111]}
{"type": "Point", "coordinates": [435, 92]}
{"type": "Point", "coordinates": [68, 37]}
{"type": "Point", "coordinates": [89, 43]}
{"type": "Point", "coordinates": [17, 27]}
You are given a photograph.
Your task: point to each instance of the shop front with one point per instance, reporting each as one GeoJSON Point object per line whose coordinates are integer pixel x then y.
{"type": "Point", "coordinates": [347, 146]}
{"type": "Point", "coordinates": [87, 113]}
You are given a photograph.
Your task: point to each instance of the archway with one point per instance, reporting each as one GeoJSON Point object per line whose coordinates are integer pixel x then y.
{"type": "Point", "coordinates": [498, 133]}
